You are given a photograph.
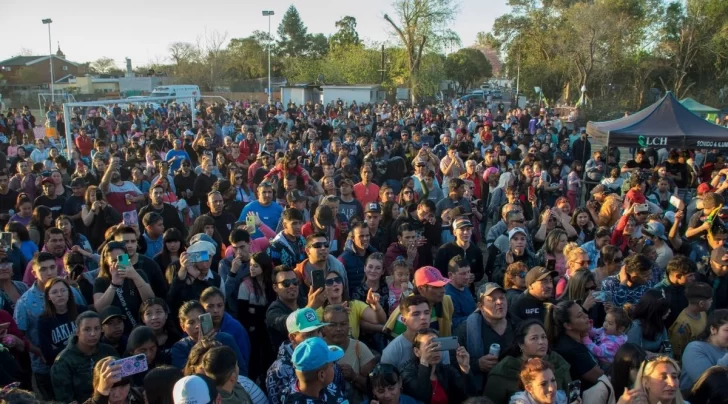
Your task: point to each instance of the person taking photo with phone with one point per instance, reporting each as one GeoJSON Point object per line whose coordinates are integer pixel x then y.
{"type": "Point", "coordinates": [426, 379]}
{"type": "Point", "coordinates": [119, 284]}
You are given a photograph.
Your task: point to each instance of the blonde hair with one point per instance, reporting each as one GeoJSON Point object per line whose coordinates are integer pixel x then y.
{"type": "Point", "coordinates": [646, 369]}
{"type": "Point", "coordinates": [572, 251]}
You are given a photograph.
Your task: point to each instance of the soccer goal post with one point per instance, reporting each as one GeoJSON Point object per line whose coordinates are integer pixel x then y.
{"type": "Point", "coordinates": [68, 107]}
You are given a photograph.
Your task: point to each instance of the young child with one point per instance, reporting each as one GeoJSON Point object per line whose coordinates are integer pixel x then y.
{"type": "Point", "coordinates": [692, 319]}
{"type": "Point", "coordinates": [314, 361]}
{"type": "Point", "coordinates": [398, 283]}
{"type": "Point", "coordinates": [604, 342]}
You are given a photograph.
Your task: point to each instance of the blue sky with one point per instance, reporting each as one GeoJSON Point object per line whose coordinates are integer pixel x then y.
{"type": "Point", "coordinates": [143, 29]}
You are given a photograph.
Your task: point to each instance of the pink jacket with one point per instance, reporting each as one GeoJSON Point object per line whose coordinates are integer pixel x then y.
{"type": "Point", "coordinates": [605, 347]}
{"type": "Point", "coordinates": [258, 244]}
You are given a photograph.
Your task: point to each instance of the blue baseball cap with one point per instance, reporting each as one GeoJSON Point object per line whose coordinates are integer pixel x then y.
{"type": "Point", "coordinates": [303, 320]}
{"type": "Point", "coordinates": [314, 353]}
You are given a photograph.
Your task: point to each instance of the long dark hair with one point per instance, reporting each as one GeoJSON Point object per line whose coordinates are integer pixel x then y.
{"type": "Point", "coordinates": [650, 310]}
{"type": "Point", "coordinates": [40, 213]}
{"type": "Point", "coordinates": [19, 229]}
{"type": "Point", "coordinates": [74, 235]}
{"type": "Point", "coordinates": [172, 234]}
{"type": "Point", "coordinates": [266, 265]}
{"type": "Point", "coordinates": [199, 227]}
{"type": "Point", "coordinates": [159, 383]}
{"type": "Point", "coordinates": [519, 337]}
{"type": "Point", "coordinates": [629, 356]}
{"type": "Point", "coordinates": [104, 267]}
{"type": "Point", "coordinates": [50, 308]}
{"type": "Point", "coordinates": [715, 320]}
{"type": "Point", "coordinates": [556, 316]}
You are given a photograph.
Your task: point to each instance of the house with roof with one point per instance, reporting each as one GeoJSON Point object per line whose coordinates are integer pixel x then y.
{"type": "Point", "coordinates": [34, 71]}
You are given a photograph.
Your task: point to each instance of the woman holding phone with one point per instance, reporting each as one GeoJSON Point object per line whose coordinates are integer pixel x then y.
{"type": "Point", "coordinates": [120, 285]}
{"type": "Point", "coordinates": [98, 216]}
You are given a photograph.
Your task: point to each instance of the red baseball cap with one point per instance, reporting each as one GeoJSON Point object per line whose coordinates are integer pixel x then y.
{"type": "Point", "coordinates": [430, 276]}
{"type": "Point", "coordinates": [703, 188]}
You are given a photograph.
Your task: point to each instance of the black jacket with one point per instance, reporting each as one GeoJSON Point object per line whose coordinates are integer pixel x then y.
{"type": "Point", "coordinates": [170, 217]}
{"type": "Point", "coordinates": [416, 382]}
{"type": "Point", "coordinates": [473, 255]}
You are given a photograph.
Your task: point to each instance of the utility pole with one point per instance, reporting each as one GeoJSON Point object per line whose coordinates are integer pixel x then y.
{"type": "Point", "coordinates": [48, 21]}
{"type": "Point", "coordinates": [269, 13]}
{"type": "Point", "coordinates": [382, 68]}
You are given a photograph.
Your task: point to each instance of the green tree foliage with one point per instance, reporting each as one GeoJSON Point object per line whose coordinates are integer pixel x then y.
{"type": "Point", "coordinates": [422, 25]}
{"type": "Point", "coordinates": [346, 34]}
{"type": "Point", "coordinates": [293, 35]}
{"type": "Point", "coordinates": [618, 49]}
{"type": "Point", "coordinates": [467, 66]}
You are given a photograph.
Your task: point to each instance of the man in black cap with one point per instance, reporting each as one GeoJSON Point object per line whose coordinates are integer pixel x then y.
{"type": "Point", "coordinates": [378, 236]}
{"type": "Point", "coordinates": [74, 204]}
{"type": "Point", "coordinates": [112, 325]}
{"type": "Point", "coordinates": [530, 304]}
{"type": "Point", "coordinates": [461, 246]}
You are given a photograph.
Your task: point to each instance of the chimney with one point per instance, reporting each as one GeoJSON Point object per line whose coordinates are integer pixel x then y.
{"type": "Point", "coordinates": [129, 72]}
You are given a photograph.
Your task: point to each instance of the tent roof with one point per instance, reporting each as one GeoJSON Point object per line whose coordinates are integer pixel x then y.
{"type": "Point", "coordinates": [666, 123]}
{"type": "Point", "coordinates": [697, 107]}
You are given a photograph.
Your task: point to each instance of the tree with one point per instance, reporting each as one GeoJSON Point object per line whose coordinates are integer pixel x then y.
{"type": "Point", "coordinates": [294, 38]}
{"type": "Point", "coordinates": [467, 66]}
{"type": "Point", "coordinates": [103, 65]}
{"type": "Point", "coordinates": [318, 45]}
{"type": "Point", "coordinates": [346, 34]}
{"type": "Point", "coordinates": [422, 24]}
{"type": "Point", "coordinates": [247, 58]}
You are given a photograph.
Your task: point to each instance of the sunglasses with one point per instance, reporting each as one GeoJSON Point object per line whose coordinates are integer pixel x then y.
{"type": "Point", "coordinates": [320, 244]}
{"type": "Point", "coordinates": [288, 283]}
{"type": "Point", "coordinates": [238, 178]}
{"type": "Point", "coordinates": [334, 281]}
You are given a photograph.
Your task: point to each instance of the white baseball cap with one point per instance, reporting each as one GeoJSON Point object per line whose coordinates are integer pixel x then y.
{"type": "Point", "coordinates": [195, 389]}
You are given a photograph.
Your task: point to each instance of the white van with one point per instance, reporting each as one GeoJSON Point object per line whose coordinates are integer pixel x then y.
{"type": "Point", "coordinates": [183, 92]}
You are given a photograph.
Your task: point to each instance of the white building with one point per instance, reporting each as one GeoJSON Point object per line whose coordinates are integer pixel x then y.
{"type": "Point", "coordinates": [362, 94]}
{"type": "Point", "coordinates": [300, 94]}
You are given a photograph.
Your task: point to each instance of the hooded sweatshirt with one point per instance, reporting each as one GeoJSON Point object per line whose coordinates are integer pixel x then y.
{"type": "Point", "coordinates": [503, 379]}
{"type": "Point", "coordinates": [73, 370]}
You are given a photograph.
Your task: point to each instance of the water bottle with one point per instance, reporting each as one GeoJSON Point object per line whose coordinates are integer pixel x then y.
{"type": "Point", "coordinates": [494, 350]}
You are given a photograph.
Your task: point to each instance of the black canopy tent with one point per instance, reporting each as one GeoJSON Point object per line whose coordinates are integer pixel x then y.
{"type": "Point", "coordinates": [666, 123]}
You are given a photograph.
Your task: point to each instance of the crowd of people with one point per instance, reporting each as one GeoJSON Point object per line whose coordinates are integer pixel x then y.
{"type": "Point", "coordinates": [382, 254]}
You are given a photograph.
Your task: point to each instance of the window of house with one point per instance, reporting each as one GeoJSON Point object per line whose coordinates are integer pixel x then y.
{"type": "Point", "coordinates": [65, 68]}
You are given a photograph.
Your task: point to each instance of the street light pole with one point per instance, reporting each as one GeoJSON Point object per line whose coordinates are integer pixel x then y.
{"type": "Point", "coordinates": [48, 22]}
{"type": "Point", "coordinates": [268, 13]}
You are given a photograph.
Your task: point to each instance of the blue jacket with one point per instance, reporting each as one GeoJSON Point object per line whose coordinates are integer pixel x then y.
{"type": "Point", "coordinates": [354, 265]}
{"type": "Point", "coordinates": [182, 348]}
{"type": "Point", "coordinates": [233, 327]}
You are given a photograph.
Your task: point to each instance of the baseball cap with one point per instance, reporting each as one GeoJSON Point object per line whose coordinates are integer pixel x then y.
{"type": "Point", "coordinates": [462, 222]}
{"type": "Point", "coordinates": [655, 229]}
{"type": "Point", "coordinates": [303, 320]}
{"type": "Point", "coordinates": [430, 276]}
{"type": "Point", "coordinates": [110, 313]}
{"type": "Point", "coordinates": [314, 353]}
{"type": "Point", "coordinates": [324, 215]}
{"type": "Point", "coordinates": [670, 216]}
{"type": "Point", "coordinates": [373, 207]}
{"type": "Point", "coordinates": [703, 188]}
{"type": "Point", "coordinates": [195, 389]}
{"type": "Point", "coordinates": [47, 180]}
{"type": "Point", "coordinates": [536, 274]}
{"type": "Point", "coordinates": [78, 182]}
{"type": "Point", "coordinates": [599, 189]}
{"type": "Point", "coordinates": [487, 288]}
{"type": "Point", "coordinates": [295, 196]}
{"type": "Point", "coordinates": [515, 231]}
{"type": "Point", "coordinates": [202, 237]}
{"type": "Point", "coordinates": [201, 246]}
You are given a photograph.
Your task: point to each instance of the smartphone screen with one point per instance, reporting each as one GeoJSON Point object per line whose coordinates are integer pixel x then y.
{"type": "Point", "coordinates": [574, 390]}
{"type": "Point", "coordinates": [250, 221]}
{"type": "Point", "coordinates": [205, 323]}
{"type": "Point", "coordinates": [447, 343]}
{"type": "Point", "coordinates": [123, 260]}
{"type": "Point", "coordinates": [318, 280]}
{"type": "Point", "coordinates": [132, 365]}
{"type": "Point", "coordinates": [531, 192]}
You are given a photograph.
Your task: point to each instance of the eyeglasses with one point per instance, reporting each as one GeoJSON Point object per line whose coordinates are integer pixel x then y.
{"type": "Point", "coordinates": [287, 283]}
{"type": "Point", "coordinates": [320, 244]}
{"type": "Point", "coordinates": [334, 281]}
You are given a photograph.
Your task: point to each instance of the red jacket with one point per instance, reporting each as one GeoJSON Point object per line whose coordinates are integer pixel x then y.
{"type": "Point", "coordinates": [248, 147]}
{"type": "Point", "coordinates": [85, 144]}
{"type": "Point", "coordinates": [13, 329]}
